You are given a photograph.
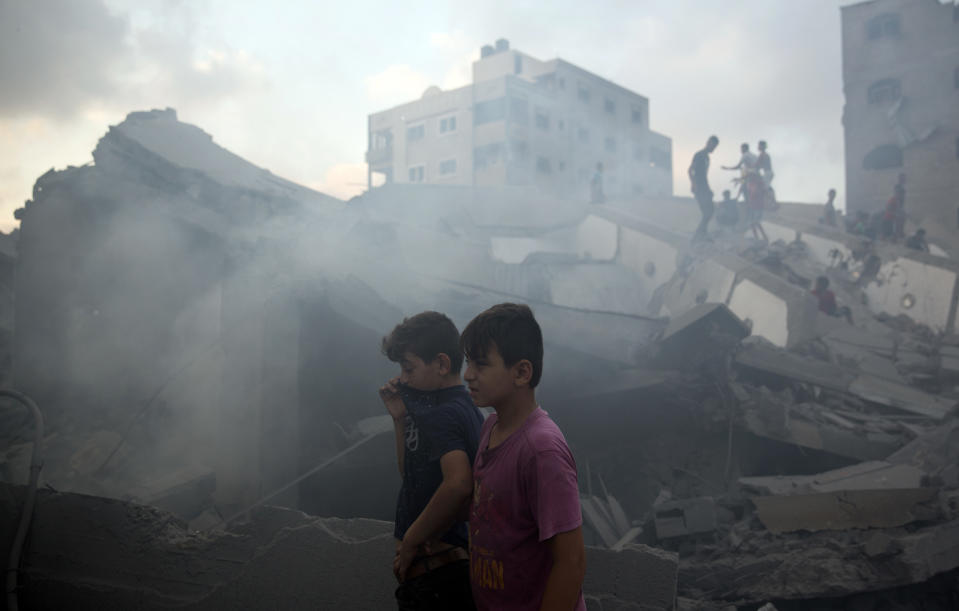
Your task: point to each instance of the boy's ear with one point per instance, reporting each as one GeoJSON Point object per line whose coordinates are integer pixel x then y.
{"type": "Point", "coordinates": [443, 364]}
{"type": "Point", "coordinates": [522, 373]}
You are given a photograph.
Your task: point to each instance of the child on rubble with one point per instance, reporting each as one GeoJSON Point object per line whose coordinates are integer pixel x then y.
{"type": "Point", "coordinates": [437, 430]}
{"type": "Point", "coordinates": [526, 538]}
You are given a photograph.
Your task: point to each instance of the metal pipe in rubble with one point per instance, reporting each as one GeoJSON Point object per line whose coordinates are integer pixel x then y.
{"type": "Point", "coordinates": [36, 463]}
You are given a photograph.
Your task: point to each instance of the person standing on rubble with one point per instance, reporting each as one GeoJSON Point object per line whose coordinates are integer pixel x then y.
{"type": "Point", "coordinates": [437, 428]}
{"type": "Point", "coordinates": [526, 535]}
{"type": "Point", "coordinates": [829, 210]}
{"type": "Point", "coordinates": [764, 165]}
{"type": "Point", "coordinates": [698, 178]}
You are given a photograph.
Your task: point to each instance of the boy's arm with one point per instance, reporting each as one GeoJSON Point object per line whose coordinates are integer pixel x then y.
{"type": "Point", "coordinates": [441, 512]}
{"type": "Point", "coordinates": [565, 580]}
{"type": "Point", "coordinates": [389, 394]}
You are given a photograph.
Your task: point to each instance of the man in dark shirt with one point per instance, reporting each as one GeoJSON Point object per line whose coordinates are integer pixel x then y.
{"type": "Point", "coordinates": [698, 171]}
{"type": "Point", "coordinates": [437, 430]}
{"type": "Point", "coordinates": [829, 212]}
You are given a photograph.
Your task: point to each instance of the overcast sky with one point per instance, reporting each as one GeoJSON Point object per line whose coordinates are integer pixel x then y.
{"type": "Point", "coordinates": [288, 85]}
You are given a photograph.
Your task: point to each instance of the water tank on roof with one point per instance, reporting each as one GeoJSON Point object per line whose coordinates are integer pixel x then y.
{"type": "Point", "coordinates": [431, 91]}
{"type": "Point", "coordinates": [487, 50]}
{"type": "Point", "coordinates": [502, 45]}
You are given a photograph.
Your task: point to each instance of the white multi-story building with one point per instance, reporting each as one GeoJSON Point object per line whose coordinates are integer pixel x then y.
{"type": "Point", "coordinates": [524, 122]}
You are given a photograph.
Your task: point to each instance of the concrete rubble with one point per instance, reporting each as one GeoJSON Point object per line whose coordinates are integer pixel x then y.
{"type": "Point", "coordinates": [202, 337]}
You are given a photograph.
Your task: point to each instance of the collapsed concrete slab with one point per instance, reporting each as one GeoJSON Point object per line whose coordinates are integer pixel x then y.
{"type": "Point", "coordinates": [844, 509]}
{"type": "Point", "coordinates": [91, 552]}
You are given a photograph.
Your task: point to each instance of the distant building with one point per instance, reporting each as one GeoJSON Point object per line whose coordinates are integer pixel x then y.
{"type": "Point", "coordinates": [524, 122]}
{"type": "Point", "coordinates": [901, 82]}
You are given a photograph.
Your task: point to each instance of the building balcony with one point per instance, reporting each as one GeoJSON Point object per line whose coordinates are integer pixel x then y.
{"type": "Point", "coordinates": [379, 156]}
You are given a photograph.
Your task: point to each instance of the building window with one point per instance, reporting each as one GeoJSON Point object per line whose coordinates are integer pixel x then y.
{"type": "Point", "coordinates": [448, 167]}
{"type": "Point", "coordinates": [447, 124]}
{"type": "Point", "coordinates": [609, 106]}
{"type": "Point", "coordinates": [883, 157]}
{"type": "Point", "coordinates": [417, 173]}
{"type": "Point", "coordinates": [489, 111]}
{"type": "Point", "coordinates": [542, 165]}
{"type": "Point", "coordinates": [658, 158]}
{"type": "Point", "coordinates": [886, 25]}
{"type": "Point", "coordinates": [886, 90]}
{"type": "Point", "coordinates": [562, 166]}
{"type": "Point", "coordinates": [519, 149]}
{"type": "Point", "coordinates": [583, 134]}
{"type": "Point", "coordinates": [562, 83]}
{"type": "Point", "coordinates": [517, 63]}
{"type": "Point", "coordinates": [610, 144]}
{"type": "Point", "coordinates": [638, 189]}
{"type": "Point", "coordinates": [583, 94]}
{"type": "Point", "coordinates": [638, 151]}
{"type": "Point", "coordinates": [416, 132]}
{"type": "Point", "coordinates": [487, 154]}
{"type": "Point", "coordinates": [519, 111]}
{"type": "Point", "coordinates": [542, 121]}
{"type": "Point", "coordinates": [637, 115]}
{"type": "Point", "coordinates": [382, 139]}
{"type": "Point", "coordinates": [561, 125]}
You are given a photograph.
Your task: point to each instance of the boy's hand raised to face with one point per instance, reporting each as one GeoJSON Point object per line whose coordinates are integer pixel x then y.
{"type": "Point", "coordinates": [389, 394]}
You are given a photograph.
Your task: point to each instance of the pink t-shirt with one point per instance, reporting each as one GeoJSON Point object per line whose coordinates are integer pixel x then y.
{"type": "Point", "coordinates": [524, 492]}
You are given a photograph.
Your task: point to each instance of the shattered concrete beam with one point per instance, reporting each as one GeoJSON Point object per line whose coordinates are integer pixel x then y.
{"type": "Point", "coordinates": [825, 375]}
{"type": "Point", "coordinates": [826, 437]}
{"type": "Point", "coordinates": [846, 509]}
{"type": "Point", "coordinates": [871, 475]}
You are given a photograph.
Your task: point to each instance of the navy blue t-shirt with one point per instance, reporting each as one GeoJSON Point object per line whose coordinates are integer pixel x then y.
{"type": "Point", "coordinates": [437, 422]}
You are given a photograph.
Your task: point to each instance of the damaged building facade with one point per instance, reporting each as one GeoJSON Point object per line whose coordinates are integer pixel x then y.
{"type": "Point", "coordinates": [523, 121]}
{"type": "Point", "coordinates": [901, 84]}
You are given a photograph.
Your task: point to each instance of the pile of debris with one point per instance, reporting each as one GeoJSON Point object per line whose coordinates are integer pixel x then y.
{"type": "Point", "coordinates": [833, 484]}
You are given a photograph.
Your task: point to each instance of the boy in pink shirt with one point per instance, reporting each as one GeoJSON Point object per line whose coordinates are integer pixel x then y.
{"type": "Point", "coordinates": [525, 526]}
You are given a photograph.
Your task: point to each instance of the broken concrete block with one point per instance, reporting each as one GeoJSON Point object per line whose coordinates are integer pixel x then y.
{"type": "Point", "coordinates": [872, 475]}
{"type": "Point", "coordinates": [638, 574]}
{"type": "Point", "coordinates": [685, 517]}
{"type": "Point", "coordinates": [901, 397]}
{"type": "Point", "coordinates": [706, 327]}
{"type": "Point", "coordinates": [847, 509]}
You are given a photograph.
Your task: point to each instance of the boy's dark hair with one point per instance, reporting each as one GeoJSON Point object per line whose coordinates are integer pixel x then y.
{"type": "Point", "coordinates": [427, 335]}
{"type": "Point", "coordinates": [514, 331]}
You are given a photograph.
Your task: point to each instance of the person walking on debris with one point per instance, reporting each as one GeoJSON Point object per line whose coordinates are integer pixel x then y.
{"type": "Point", "coordinates": [437, 427]}
{"type": "Point", "coordinates": [827, 300]}
{"type": "Point", "coordinates": [526, 538]}
{"type": "Point", "coordinates": [596, 194]}
{"type": "Point", "coordinates": [917, 241]}
{"type": "Point", "coordinates": [829, 212]}
{"type": "Point", "coordinates": [764, 165]}
{"type": "Point", "coordinates": [747, 163]}
{"type": "Point", "coordinates": [698, 178]}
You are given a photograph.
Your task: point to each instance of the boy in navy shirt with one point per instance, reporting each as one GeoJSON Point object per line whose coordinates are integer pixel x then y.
{"type": "Point", "coordinates": [437, 431]}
